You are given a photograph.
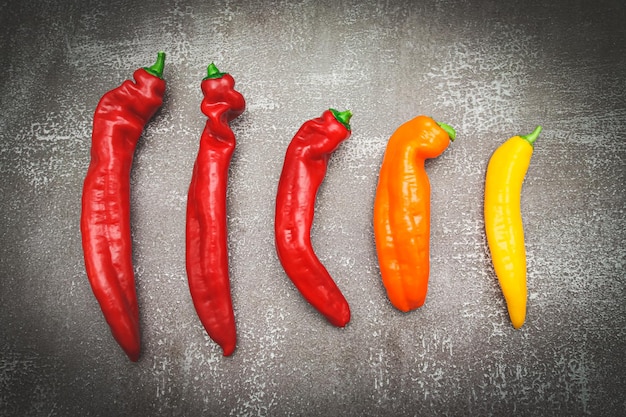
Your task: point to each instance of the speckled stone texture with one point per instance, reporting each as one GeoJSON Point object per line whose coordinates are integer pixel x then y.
{"type": "Point", "coordinates": [491, 69]}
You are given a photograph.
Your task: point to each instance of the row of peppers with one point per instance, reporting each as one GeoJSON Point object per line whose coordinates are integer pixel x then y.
{"type": "Point", "coordinates": [401, 209]}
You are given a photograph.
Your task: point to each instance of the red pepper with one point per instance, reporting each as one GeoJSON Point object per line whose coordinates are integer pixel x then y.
{"type": "Point", "coordinates": [119, 120]}
{"type": "Point", "coordinates": [303, 171]}
{"type": "Point", "coordinates": [207, 252]}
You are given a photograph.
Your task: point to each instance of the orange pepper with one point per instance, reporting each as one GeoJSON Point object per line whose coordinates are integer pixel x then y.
{"type": "Point", "coordinates": [402, 210]}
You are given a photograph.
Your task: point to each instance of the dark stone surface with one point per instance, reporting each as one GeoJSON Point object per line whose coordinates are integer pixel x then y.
{"type": "Point", "coordinates": [491, 69]}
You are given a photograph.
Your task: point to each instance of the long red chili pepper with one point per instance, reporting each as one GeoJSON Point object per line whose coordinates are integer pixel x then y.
{"type": "Point", "coordinates": [207, 254]}
{"type": "Point", "coordinates": [303, 171]}
{"type": "Point", "coordinates": [118, 122]}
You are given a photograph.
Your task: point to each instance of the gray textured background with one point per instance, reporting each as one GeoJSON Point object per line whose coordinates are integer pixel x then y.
{"type": "Point", "coordinates": [491, 69]}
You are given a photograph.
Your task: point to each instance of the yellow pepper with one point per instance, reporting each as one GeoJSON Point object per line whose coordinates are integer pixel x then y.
{"type": "Point", "coordinates": [503, 220]}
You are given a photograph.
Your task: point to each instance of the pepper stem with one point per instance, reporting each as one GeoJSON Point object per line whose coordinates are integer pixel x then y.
{"type": "Point", "coordinates": [342, 117]}
{"type": "Point", "coordinates": [532, 137]}
{"type": "Point", "coordinates": [213, 72]}
{"type": "Point", "coordinates": [449, 130]}
{"type": "Point", "coordinates": [157, 68]}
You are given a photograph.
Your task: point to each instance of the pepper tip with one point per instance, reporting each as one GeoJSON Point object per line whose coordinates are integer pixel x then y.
{"type": "Point", "coordinates": [228, 350]}
{"type": "Point", "coordinates": [517, 324]}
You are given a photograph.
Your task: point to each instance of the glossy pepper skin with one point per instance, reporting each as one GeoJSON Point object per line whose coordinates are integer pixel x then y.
{"type": "Point", "coordinates": [303, 171]}
{"type": "Point", "coordinates": [206, 232]}
{"type": "Point", "coordinates": [402, 210]}
{"type": "Point", "coordinates": [118, 122]}
{"type": "Point", "coordinates": [503, 220]}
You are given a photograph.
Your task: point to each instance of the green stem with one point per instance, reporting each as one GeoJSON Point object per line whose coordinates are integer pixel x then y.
{"type": "Point", "coordinates": [449, 130]}
{"type": "Point", "coordinates": [157, 68]}
{"type": "Point", "coordinates": [532, 137]}
{"type": "Point", "coordinates": [342, 117]}
{"type": "Point", "coordinates": [213, 72]}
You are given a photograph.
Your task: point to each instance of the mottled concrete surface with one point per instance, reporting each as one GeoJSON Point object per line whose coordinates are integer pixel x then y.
{"type": "Point", "coordinates": [491, 69]}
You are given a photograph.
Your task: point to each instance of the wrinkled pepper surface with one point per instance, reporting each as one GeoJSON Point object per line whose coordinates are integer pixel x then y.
{"type": "Point", "coordinates": [303, 171]}
{"type": "Point", "coordinates": [118, 122]}
{"type": "Point", "coordinates": [503, 220]}
{"type": "Point", "coordinates": [206, 232]}
{"type": "Point", "coordinates": [402, 210]}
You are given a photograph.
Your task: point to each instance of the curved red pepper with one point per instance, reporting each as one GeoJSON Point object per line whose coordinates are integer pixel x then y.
{"type": "Point", "coordinates": [118, 122]}
{"type": "Point", "coordinates": [303, 171]}
{"type": "Point", "coordinates": [207, 252]}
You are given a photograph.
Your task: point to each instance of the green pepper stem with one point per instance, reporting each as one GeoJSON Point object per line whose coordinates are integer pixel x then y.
{"type": "Point", "coordinates": [449, 130]}
{"type": "Point", "coordinates": [532, 137]}
{"type": "Point", "coordinates": [157, 68]}
{"type": "Point", "coordinates": [213, 72]}
{"type": "Point", "coordinates": [342, 117]}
